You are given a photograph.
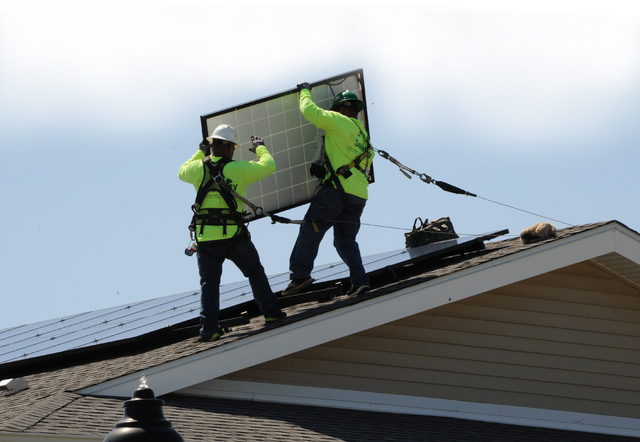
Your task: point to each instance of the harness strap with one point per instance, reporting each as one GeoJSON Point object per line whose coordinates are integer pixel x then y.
{"type": "Point", "coordinates": [356, 162]}
{"type": "Point", "coordinates": [216, 217]}
{"type": "Point", "coordinates": [213, 181]}
{"type": "Point", "coordinates": [227, 192]}
{"type": "Point", "coordinates": [345, 171]}
{"type": "Point", "coordinates": [218, 183]}
{"type": "Point", "coordinates": [336, 180]}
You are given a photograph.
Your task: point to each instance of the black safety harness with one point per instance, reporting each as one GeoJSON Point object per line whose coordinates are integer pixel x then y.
{"type": "Point", "coordinates": [214, 181]}
{"type": "Point", "coordinates": [345, 170]}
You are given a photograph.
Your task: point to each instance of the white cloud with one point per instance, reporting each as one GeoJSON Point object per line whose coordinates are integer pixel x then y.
{"type": "Point", "coordinates": [511, 77]}
{"type": "Point", "coordinates": [508, 70]}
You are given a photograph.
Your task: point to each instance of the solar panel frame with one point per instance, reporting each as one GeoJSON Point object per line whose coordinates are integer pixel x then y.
{"type": "Point", "coordinates": [293, 142]}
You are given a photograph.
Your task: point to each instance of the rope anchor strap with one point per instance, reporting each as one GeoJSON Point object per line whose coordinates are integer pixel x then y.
{"type": "Point", "coordinates": [453, 189]}
{"type": "Point", "coordinates": [283, 220]}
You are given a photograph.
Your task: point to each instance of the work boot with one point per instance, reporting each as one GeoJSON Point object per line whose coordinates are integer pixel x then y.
{"type": "Point", "coordinates": [274, 318]}
{"type": "Point", "coordinates": [210, 337]}
{"type": "Point", "coordinates": [296, 285]}
{"type": "Point", "coordinates": [353, 291]}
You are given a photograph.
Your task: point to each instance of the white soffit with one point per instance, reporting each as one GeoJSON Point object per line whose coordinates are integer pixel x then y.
{"type": "Point", "coordinates": [317, 330]}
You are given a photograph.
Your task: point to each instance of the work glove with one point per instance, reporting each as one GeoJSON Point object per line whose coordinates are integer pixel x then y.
{"type": "Point", "coordinates": [205, 146]}
{"type": "Point", "coordinates": [317, 170]}
{"type": "Point", "coordinates": [304, 85]}
{"type": "Point", "coordinates": [256, 141]}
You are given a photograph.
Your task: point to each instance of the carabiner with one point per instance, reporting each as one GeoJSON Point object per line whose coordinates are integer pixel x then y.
{"type": "Point", "coordinates": [383, 154]}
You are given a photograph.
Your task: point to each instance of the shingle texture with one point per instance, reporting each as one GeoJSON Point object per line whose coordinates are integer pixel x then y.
{"type": "Point", "coordinates": [201, 419]}
{"type": "Point", "coordinates": [50, 405]}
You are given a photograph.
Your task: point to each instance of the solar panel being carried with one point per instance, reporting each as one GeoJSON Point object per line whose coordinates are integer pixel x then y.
{"type": "Point", "coordinates": [293, 142]}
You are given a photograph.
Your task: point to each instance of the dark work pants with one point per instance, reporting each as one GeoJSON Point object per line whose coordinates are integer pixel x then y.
{"type": "Point", "coordinates": [242, 252]}
{"type": "Point", "coordinates": [327, 210]}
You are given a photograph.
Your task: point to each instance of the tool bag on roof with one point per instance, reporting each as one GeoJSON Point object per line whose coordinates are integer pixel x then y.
{"type": "Point", "coordinates": [429, 232]}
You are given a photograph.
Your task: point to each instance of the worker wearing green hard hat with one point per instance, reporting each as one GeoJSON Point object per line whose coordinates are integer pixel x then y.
{"type": "Point", "coordinates": [344, 176]}
{"type": "Point", "coordinates": [347, 98]}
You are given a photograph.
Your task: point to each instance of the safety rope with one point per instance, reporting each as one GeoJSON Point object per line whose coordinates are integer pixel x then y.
{"type": "Point", "coordinates": [526, 211]}
{"type": "Point", "coordinates": [406, 171]}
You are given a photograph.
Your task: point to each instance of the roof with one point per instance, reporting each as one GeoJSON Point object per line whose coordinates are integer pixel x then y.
{"type": "Point", "coordinates": [206, 419]}
{"type": "Point", "coordinates": [131, 322]}
{"type": "Point", "coordinates": [61, 394]}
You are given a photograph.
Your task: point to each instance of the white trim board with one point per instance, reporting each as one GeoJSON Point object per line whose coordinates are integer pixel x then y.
{"type": "Point", "coordinates": [402, 404]}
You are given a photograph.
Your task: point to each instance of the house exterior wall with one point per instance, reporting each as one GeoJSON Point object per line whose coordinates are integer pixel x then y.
{"type": "Point", "coordinates": [567, 340]}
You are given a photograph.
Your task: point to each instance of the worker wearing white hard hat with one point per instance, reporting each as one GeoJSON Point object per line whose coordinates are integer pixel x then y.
{"type": "Point", "coordinates": [218, 225]}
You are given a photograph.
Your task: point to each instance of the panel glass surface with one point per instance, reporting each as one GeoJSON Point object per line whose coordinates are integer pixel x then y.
{"type": "Point", "coordinates": [132, 320]}
{"type": "Point", "coordinates": [293, 142]}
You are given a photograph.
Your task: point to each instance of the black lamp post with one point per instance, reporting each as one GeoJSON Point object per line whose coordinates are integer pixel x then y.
{"type": "Point", "coordinates": [143, 420]}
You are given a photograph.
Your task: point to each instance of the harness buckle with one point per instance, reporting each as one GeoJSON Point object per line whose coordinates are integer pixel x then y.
{"type": "Point", "coordinates": [218, 178]}
{"type": "Point", "coordinates": [344, 171]}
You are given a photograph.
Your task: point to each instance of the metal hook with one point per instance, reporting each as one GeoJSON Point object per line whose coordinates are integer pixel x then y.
{"type": "Point", "coordinates": [383, 154]}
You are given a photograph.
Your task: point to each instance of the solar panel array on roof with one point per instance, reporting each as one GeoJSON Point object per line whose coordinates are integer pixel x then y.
{"type": "Point", "coordinates": [293, 142]}
{"type": "Point", "coordinates": [136, 319]}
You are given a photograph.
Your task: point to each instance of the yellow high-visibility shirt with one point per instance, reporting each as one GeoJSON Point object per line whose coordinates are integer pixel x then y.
{"type": "Point", "coordinates": [345, 140]}
{"type": "Point", "coordinates": [238, 174]}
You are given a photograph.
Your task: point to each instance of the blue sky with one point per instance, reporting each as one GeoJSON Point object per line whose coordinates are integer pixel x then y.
{"type": "Point", "coordinates": [534, 105]}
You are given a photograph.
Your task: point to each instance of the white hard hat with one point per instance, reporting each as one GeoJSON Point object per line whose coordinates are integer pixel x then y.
{"type": "Point", "coordinates": [224, 132]}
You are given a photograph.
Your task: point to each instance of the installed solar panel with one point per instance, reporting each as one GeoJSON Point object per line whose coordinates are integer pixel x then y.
{"type": "Point", "coordinates": [133, 320]}
{"type": "Point", "coordinates": [292, 140]}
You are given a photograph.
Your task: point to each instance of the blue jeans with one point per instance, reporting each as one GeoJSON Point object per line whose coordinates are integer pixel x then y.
{"type": "Point", "coordinates": [242, 252]}
{"type": "Point", "coordinates": [326, 211]}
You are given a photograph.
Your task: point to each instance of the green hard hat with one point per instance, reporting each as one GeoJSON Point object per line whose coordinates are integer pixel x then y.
{"type": "Point", "coordinates": [346, 96]}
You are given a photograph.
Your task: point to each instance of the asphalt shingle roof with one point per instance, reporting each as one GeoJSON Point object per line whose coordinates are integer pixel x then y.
{"type": "Point", "coordinates": [205, 419]}
{"type": "Point", "coordinates": [50, 405]}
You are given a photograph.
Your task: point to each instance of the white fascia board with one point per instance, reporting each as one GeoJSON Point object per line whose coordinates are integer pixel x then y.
{"type": "Point", "coordinates": [287, 339]}
{"type": "Point", "coordinates": [626, 244]}
{"type": "Point", "coordinates": [402, 404]}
